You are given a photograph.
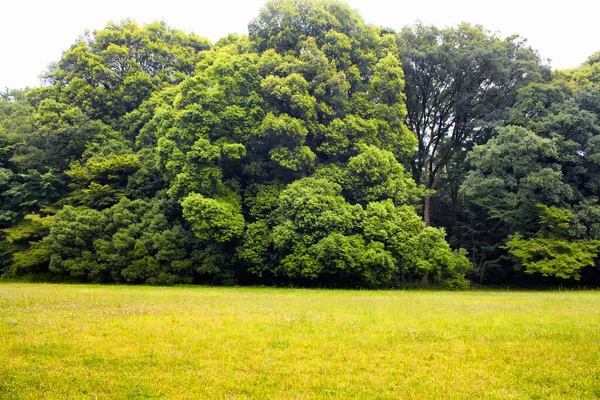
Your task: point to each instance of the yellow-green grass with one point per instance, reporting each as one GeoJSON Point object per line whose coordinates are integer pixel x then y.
{"type": "Point", "coordinates": [75, 341]}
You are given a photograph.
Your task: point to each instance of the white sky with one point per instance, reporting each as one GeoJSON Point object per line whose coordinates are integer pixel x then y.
{"type": "Point", "coordinates": [34, 33]}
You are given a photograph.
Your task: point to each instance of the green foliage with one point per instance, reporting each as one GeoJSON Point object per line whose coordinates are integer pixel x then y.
{"type": "Point", "coordinates": [128, 242]}
{"type": "Point", "coordinates": [110, 72]}
{"type": "Point", "coordinates": [554, 219]}
{"type": "Point", "coordinates": [335, 254]}
{"type": "Point", "coordinates": [513, 172]}
{"type": "Point", "coordinates": [537, 180]}
{"type": "Point", "coordinates": [213, 219]}
{"type": "Point", "coordinates": [256, 247]}
{"type": "Point", "coordinates": [550, 252]}
{"type": "Point", "coordinates": [34, 227]}
{"type": "Point", "coordinates": [553, 257]}
{"type": "Point", "coordinates": [394, 227]}
{"type": "Point", "coordinates": [282, 25]}
{"type": "Point", "coordinates": [279, 157]}
{"type": "Point", "coordinates": [428, 254]}
{"type": "Point", "coordinates": [459, 83]}
{"type": "Point", "coordinates": [16, 122]}
{"type": "Point", "coordinates": [28, 192]}
{"type": "Point", "coordinates": [6, 251]}
{"type": "Point", "coordinates": [312, 215]}
{"type": "Point", "coordinates": [375, 175]}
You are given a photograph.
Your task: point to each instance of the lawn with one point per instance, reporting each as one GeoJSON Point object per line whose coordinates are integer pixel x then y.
{"type": "Point", "coordinates": [127, 342]}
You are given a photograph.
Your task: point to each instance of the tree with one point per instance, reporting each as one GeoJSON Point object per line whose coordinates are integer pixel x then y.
{"type": "Point", "coordinates": [375, 175]}
{"type": "Point", "coordinates": [109, 73]}
{"type": "Point", "coordinates": [554, 168]}
{"type": "Point", "coordinates": [318, 235]}
{"type": "Point", "coordinates": [212, 220]}
{"type": "Point", "coordinates": [275, 157]}
{"type": "Point", "coordinates": [512, 174]}
{"type": "Point", "coordinates": [551, 252]}
{"type": "Point", "coordinates": [128, 242]}
{"type": "Point", "coordinates": [459, 83]}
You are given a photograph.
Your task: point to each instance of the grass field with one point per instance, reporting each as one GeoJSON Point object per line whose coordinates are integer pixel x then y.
{"type": "Point", "coordinates": [123, 342]}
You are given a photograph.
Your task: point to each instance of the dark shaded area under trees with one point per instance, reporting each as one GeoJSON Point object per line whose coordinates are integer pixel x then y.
{"type": "Point", "coordinates": [318, 150]}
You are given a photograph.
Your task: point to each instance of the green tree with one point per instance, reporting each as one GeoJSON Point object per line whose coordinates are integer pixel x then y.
{"type": "Point", "coordinates": [317, 237]}
{"type": "Point", "coordinates": [512, 173]}
{"type": "Point", "coordinates": [213, 220]}
{"type": "Point", "coordinates": [459, 83]}
{"type": "Point", "coordinates": [551, 252]}
{"type": "Point", "coordinates": [275, 157]}
{"type": "Point", "coordinates": [547, 167]}
{"type": "Point", "coordinates": [132, 241]}
{"type": "Point", "coordinates": [110, 72]}
{"type": "Point", "coordinates": [375, 175]}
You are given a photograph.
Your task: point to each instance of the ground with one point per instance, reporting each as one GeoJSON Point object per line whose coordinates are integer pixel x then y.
{"type": "Point", "coordinates": [77, 341]}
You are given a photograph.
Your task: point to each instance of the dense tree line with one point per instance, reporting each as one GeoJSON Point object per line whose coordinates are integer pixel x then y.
{"type": "Point", "coordinates": [317, 150]}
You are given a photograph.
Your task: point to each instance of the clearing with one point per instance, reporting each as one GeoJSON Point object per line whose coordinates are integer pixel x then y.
{"type": "Point", "coordinates": [87, 341]}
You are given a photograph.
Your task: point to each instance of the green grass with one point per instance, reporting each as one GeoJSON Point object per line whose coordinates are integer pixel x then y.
{"type": "Point", "coordinates": [123, 342]}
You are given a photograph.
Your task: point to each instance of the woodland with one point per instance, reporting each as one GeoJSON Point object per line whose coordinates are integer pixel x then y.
{"type": "Point", "coordinates": [318, 150]}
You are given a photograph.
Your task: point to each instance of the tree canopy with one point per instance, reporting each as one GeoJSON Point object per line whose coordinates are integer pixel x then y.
{"type": "Point", "coordinates": [316, 150]}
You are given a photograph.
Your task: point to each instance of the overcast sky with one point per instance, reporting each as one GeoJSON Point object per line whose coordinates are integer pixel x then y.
{"type": "Point", "coordinates": [34, 33]}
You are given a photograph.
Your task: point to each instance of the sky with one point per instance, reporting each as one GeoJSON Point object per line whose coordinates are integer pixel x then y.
{"type": "Point", "coordinates": [34, 33]}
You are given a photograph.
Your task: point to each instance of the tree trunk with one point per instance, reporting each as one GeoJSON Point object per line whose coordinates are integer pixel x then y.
{"type": "Point", "coordinates": [482, 273]}
{"type": "Point", "coordinates": [432, 185]}
{"type": "Point", "coordinates": [485, 264]}
{"type": "Point", "coordinates": [427, 211]}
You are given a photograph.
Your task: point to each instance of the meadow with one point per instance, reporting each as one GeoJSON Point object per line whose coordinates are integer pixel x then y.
{"type": "Point", "coordinates": [133, 342]}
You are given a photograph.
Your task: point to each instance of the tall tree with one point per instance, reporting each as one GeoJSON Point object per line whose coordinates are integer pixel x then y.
{"type": "Point", "coordinates": [459, 82]}
{"type": "Point", "coordinates": [544, 166]}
